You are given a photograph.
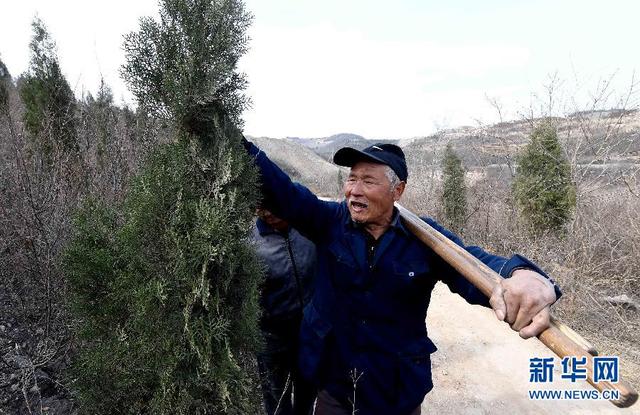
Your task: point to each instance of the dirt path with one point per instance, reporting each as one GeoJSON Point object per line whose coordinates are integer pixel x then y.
{"type": "Point", "coordinates": [477, 373]}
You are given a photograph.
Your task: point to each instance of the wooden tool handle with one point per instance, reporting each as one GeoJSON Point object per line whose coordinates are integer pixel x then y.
{"type": "Point", "coordinates": [558, 337]}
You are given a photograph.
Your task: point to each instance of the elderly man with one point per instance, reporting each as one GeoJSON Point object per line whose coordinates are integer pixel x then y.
{"type": "Point", "coordinates": [364, 338]}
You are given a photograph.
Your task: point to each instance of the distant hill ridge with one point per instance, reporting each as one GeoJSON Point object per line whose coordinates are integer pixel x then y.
{"type": "Point", "coordinates": [327, 146]}
{"type": "Point", "coordinates": [301, 163]}
{"type": "Point", "coordinates": [478, 146]}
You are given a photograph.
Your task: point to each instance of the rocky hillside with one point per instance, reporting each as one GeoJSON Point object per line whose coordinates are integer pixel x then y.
{"type": "Point", "coordinates": [302, 164]}
{"type": "Point", "coordinates": [601, 144]}
{"type": "Point", "coordinates": [592, 136]}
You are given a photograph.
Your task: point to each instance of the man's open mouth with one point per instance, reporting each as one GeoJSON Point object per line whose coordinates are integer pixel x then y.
{"type": "Point", "coordinates": [358, 206]}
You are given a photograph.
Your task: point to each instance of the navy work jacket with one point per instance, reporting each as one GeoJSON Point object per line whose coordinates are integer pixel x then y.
{"type": "Point", "coordinates": [364, 328]}
{"type": "Point", "coordinates": [290, 263]}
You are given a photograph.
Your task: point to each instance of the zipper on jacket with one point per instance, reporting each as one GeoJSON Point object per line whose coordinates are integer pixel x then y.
{"type": "Point", "coordinates": [295, 270]}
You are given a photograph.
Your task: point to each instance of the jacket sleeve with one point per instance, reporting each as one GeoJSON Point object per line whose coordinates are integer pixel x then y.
{"type": "Point", "coordinates": [503, 266]}
{"type": "Point", "coordinates": [291, 201]}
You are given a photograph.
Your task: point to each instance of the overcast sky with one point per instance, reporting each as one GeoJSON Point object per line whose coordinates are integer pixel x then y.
{"type": "Point", "coordinates": [381, 69]}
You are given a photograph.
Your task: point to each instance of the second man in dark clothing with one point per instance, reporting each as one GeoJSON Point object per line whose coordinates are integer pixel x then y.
{"type": "Point", "coordinates": [290, 261]}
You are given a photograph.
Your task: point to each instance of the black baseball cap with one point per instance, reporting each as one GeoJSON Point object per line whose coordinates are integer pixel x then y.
{"type": "Point", "coordinates": [388, 154]}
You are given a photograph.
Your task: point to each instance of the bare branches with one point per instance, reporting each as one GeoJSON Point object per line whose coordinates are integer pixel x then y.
{"type": "Point", "coordinates": [355, 376]}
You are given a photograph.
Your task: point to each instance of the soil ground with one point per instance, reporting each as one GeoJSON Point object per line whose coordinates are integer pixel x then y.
{"type": "Point", "coordinates": [482, 366]}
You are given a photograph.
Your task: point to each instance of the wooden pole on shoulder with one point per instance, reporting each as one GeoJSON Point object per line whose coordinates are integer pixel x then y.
{"type": "Point", "coordinates": [559, 338]}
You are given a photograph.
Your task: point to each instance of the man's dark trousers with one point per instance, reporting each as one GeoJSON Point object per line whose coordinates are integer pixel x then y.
{"type": "Point", "coordinates": [278, 366]}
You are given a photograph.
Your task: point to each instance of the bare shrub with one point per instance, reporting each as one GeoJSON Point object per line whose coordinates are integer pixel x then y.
{"type": "Point", "coordinates": [599, 256]}
{"type": "Point", "coordinates": [37, 197]}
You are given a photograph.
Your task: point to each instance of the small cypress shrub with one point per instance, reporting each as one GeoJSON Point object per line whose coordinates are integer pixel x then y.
{"type": "Point", "coordinates": [454, 198]}
{"type": "Point", "coordinates": [543, 188]}
{"type": "Point", "coordinates": [100, 117]}
{"type": "Point", "coordinates": [49, 116]}
{"type": "Point", "coordinates": [5, 85]}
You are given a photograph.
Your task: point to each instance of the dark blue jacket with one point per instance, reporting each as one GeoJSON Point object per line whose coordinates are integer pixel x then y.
{"type": "Point", "coordinates": [367, 321]}
{"type": "Point", "coordinates": [290, 262]}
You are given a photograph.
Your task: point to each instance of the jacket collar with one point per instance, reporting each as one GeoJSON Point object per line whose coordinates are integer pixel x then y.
{"type": "Point", "coordinates": [396, 222]}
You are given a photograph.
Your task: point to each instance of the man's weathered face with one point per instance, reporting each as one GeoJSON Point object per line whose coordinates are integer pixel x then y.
{"type": "Point", "coordinates": [369, 194]}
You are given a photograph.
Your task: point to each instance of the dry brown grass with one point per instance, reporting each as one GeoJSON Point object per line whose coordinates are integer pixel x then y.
{"type": "Point", "coordinates": [598, 257]}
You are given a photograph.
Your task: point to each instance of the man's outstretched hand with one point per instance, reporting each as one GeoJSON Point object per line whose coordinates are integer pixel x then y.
{"type": "Point", "coordinates": [523, 301]}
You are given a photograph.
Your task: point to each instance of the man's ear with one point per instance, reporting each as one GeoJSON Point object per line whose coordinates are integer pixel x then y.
{"type": "Point", "coordinates": [397, 192]}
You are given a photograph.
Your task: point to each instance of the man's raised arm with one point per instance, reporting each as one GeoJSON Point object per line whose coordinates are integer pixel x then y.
{"type": "Point", "coordinates": [291, 201]}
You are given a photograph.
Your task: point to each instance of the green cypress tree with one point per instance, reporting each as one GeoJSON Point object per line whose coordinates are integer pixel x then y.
{"type": "Point", "coordinates": [454, 198]}
{"type": "Point", "coordinates": [4, 72]}
{"type": "Point", "coordinates": [543, 188]}
{"type": "Point", "coordinates": [49, 115]}
{"type": "Point", "coordinates": [5, 85]}
{"type": "Point", "coordinates": [189, 58]}
{"type": "Point", "coordinates": [166, 293]}
{"type": "Point", "coordinates": [100, 116]}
